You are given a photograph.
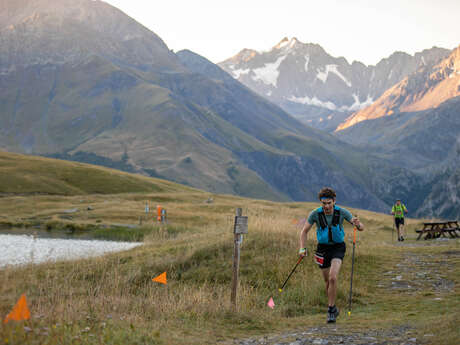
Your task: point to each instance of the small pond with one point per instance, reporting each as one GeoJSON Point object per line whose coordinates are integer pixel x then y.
{"type": "Point", "coordinates": [23, 246]}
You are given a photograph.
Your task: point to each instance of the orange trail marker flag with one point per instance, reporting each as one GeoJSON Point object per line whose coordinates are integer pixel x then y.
{"type": "Point", "coordinates": [19, 311]}
{"type": "Point", "coordinates": [161, 278]}
{"type": "Point", "coordinates": [271, 303]}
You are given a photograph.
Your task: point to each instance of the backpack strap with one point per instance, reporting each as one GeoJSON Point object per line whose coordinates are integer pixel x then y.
{"type": "Point", "coordinates": [322, 218]}
{"type": "Point", "coordinates": [336, 217]}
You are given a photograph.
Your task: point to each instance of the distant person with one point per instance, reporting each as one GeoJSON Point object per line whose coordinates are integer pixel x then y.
{"type": "Point", "coordinates": [331, 246]}
{"type": "Point", "coordinates": [398, 211]}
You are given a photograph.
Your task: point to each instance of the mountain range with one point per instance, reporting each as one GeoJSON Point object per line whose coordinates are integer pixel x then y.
{"type": "Point", "coordinates": [416, 124]}
{"type": "Point", "coordinates": [120, 97]}
{"type": "Point", "coordinates": [426, 89]}
{"type": "Point", "coordinates": [317, 88]}
{"type": "Point", "coordinates": [80, 80]}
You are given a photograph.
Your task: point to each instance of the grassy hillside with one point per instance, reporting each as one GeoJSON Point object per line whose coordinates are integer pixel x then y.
{"type": "Point", "coordinates": [112, 300]}
{"type": "Point", "coordinates": [23, 174]}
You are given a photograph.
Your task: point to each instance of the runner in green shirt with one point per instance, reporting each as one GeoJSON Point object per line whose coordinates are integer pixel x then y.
{"type": "Point", "coordinates": [398, 211]}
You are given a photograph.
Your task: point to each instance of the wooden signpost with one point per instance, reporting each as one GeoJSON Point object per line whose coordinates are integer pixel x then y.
{"type": "Point", "coordinates": [240, 227]}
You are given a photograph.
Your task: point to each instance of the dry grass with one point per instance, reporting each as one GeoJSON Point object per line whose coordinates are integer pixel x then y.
{"type": "Point", "coordinates": [112, 300]}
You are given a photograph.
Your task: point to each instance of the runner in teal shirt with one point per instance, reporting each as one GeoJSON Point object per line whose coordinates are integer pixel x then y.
{"type": "Point", "coordinates": [331, 247]}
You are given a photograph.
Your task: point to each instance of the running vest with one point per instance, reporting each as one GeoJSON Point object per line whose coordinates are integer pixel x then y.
{"type": "Point", "coordinates": [398, 210]}
{"type": "Point", "coordinates": [328, 234]}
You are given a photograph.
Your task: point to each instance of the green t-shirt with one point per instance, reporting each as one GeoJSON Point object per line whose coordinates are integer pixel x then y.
{"type": "Point", "coordinates": [399, 210]}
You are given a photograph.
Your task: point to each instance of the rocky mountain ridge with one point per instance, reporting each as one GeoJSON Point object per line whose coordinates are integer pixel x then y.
{"type": "Point", "coordinates": [424, 89]}
{"type": "Point", "coordinates": [118, 96]}
{"type": "Point", "coordinates": [42, 32]}
{"type": "Point", "coordinates": [416, 125]}
{"type": "Point", "coordinates": [317, 88]}
{"type": "Point", "coordinates": [108, 91]}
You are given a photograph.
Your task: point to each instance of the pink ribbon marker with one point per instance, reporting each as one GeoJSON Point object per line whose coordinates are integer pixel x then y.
{"type": "Point", "coordinates": [270, 303]}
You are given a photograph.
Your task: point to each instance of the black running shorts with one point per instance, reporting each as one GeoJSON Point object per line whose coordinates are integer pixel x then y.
{"type": "Point", "coordinates": [326, 252]}
{"type": "Point", "coordinates": [398, 222]}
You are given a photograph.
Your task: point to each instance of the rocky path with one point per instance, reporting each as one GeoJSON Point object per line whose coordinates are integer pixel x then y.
{"type": "Point", "coordinates": [415, 274]}
{"type": "Point", "coordinates": [418, 273]}
{"type": "Point", "coordinates": [330, 335]}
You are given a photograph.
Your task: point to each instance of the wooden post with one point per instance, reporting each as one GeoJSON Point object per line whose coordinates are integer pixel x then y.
{"type": "Point", "coordinates": [240, 227]}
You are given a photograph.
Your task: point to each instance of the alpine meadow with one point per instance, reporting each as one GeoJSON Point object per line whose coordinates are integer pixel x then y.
{"type": "Point", "coordinates": [278, 197]}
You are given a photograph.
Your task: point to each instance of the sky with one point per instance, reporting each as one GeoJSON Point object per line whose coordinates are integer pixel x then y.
{"type": "Point", "coordinates": [366, 31]}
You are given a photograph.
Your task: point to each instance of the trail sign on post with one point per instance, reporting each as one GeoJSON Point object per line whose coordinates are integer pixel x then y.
{"type": "Point", "coordinates": [240, 227]}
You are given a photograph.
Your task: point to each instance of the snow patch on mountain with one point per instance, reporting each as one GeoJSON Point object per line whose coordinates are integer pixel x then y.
{"type": "Point", "coordinates": [357, 105]}
{"type": "Point", "coordinates": [373, 75]}
{"type": "Point", "coordinates": [313, 101]}
{"type": "Point", "coordinates": [238, 72]}
{"type": "Point", "coordinates": [269, 73]}
{"type": "Point", "coordinates": [307, 60]}
{"type": "Point", "coordinates": [322, 75]}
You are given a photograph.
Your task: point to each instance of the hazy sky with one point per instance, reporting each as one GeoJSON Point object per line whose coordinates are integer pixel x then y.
{"type": "Point", "coordinates": [361, 30]}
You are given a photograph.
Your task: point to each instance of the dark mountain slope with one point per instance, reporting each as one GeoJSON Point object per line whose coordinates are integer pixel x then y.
{"type": "Point", "coordinates": [110, 91]}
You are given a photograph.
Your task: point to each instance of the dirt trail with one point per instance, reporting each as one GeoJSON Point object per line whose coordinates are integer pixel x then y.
{"type": "Point", "coordinates": [417, 273]}
{"type": "Point", "coordinates": [330, 335]}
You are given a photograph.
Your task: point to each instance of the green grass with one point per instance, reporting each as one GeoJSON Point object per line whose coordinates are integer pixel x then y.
{"type": "Point", "coordinates": [20, 174]}
{"type": "Point", "coordinates": [112, 299]}
{"type": "Point", "coordinates": [137, 234]}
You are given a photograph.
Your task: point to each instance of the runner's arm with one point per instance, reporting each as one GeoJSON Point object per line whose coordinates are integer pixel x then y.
{"type": "Point", "coordinates": [303, 235]}
{"type": "Point", "coordinates": [357, 223]}
{"type": "Point", "coordinates": [353, 220]}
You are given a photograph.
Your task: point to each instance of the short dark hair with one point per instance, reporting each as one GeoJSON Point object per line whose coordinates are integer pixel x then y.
{"type": "Point", "coordinates": [326, 192]}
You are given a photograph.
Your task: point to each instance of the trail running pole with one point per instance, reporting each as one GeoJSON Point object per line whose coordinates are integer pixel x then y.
{"type": "Point", "coordinates": [393, 231]}
{"type": "Point", "coordinates": [352, 266]}
{"type": "Point", "coordinates": [290, 274]}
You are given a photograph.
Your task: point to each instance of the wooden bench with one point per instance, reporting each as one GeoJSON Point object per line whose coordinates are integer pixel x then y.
{"type": "Point", "coordinates": [437, 229]}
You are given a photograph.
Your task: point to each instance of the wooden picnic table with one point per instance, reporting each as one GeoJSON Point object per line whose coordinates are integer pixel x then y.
{"type": "Point", "coordinates": [438, 229]}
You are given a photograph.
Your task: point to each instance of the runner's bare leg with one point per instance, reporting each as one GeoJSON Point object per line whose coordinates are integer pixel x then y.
{"type": "Point", "coordinates": [330, 276]}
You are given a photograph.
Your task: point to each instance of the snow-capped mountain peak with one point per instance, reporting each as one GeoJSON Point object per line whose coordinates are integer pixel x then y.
{"type": "Point", "coordinates": [316, 87]}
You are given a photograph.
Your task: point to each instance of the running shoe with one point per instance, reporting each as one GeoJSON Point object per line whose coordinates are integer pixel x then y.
{"type": "Point", "coordinates": [332, 315]}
